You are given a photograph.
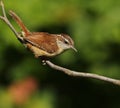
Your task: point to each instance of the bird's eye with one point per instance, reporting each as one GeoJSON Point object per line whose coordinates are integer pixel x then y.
{"type": "Point", "coordinates": [66, 41]}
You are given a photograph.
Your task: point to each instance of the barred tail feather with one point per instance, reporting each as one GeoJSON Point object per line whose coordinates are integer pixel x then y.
{"type": "Point", "coordinates": [20, 23]}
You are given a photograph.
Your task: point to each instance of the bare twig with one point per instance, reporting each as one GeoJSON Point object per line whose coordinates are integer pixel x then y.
{"type": "Point", "coordinates": [5, 19]}
{"type": "Point", "coordinates": [83, 74]}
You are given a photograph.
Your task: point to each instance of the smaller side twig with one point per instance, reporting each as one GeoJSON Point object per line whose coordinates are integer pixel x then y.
{"type": "Point", "coordinates": [5, 19]}
{"type": "Point", "coordinates": [83, 74]}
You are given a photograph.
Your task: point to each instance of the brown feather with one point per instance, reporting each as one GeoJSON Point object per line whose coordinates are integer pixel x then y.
{"type": "Point", "coordinates": [20, 23]}
{"type": "Point", "coordinates": [43, 41]}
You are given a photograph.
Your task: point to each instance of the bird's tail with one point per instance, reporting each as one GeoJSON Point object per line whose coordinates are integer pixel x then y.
{"type": "Point", "coordinates": [20, 23]}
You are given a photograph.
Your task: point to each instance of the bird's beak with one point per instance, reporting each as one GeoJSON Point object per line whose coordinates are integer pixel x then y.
{"type": "Point", "coordinates": [74, 48]}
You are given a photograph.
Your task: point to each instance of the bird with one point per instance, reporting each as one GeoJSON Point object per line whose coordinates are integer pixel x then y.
{"type": "Point", "coordinates": [43, 44]}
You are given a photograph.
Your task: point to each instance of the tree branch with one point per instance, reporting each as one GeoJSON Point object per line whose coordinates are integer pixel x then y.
{"type": "Point", "coordinates": [5, 19]}
{"type": "Point", "coordinates": [66, 71]}
{"type": "Point", "coordinates": [83, 74]}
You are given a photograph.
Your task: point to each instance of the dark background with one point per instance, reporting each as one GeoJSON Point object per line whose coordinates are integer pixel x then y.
{"type": "Point", "coordinates": [94, 25]}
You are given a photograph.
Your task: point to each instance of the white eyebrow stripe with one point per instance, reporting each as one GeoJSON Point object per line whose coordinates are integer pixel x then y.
{"type": "Point", "coordinates": [59, 35]}
{"type": "Point", "coordinates": [64, 38]}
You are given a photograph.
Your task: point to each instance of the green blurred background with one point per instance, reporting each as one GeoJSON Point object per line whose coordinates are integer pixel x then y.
{"type": "Point", "coordinates": [94, 25]}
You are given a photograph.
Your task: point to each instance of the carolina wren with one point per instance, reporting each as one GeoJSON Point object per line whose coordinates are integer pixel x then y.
{"type": "Point", "coordinates": [43, 44]}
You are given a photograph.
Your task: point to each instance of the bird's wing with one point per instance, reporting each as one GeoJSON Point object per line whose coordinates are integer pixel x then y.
{"type": "Point", "coordinates": [43, 41]}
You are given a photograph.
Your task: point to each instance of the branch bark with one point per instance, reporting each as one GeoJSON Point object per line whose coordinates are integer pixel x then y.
{"type": "Point", "coordinates": [83, 74]}
{"type": "Point", "coordinates": [5, 19]}
{"type": "Point", "coordinates": [56, 67]}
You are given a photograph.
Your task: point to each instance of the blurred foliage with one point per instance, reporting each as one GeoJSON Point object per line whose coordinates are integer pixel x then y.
{"type": "Point", "coordinates": [95, 27]}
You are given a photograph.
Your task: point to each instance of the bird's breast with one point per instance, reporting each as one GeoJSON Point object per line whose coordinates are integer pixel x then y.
{"type": "Point", "coordinates": [40, 52]}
